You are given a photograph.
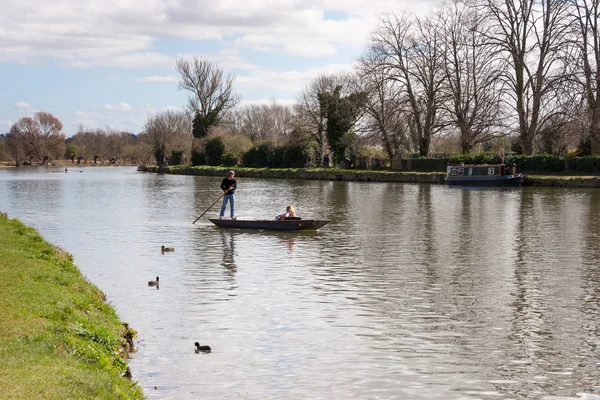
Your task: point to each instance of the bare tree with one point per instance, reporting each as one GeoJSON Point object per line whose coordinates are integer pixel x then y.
{"type": "Point", "coordinates": [585, 15]}
{"type": "Point", "coordinates": [311, 116]}
{"type": "Point", "coordinates": [532, 34]}
{"type": "Point", "coordinates": [166, 131]}
{"type": "Point", "coordinates": [386, 116]}
{"type": "Point", "coordinates": [51, 137]}
{"type": "Point", "coordinates": [474, 90]}
{"type": "Point", "coordinates": [410, 50]}
{"type": "Point", "coordinates": [264, 122]}
{"type": "Point", "coordinates": [211, 94]}
{"type": "Point", "coordinates": [42, 135]}
{"type": "Point", "coordinates": [15, 145]}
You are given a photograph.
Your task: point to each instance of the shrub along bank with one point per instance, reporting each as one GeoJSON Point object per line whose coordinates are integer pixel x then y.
{"type": "Point", "coordinates": [59, 339]}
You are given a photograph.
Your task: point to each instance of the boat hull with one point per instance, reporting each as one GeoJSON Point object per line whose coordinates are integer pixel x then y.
{"type": "Point", "coordinates": [285, 225]}
{"type": "Point", "coordinates": [505, 180]}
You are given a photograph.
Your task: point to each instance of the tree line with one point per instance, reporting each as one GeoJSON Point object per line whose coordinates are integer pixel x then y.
{"type": "Point", "coordinates": [467, 76]}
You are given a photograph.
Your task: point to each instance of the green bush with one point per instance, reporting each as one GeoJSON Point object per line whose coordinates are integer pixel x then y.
{"type": "Point", "coordinates": [257, 156]}
{"type": "Point", "coordinates": [198, 158]}
{"type": "Point", "coordinates": [176, 157]}
{"type": "Point", "coordinates": [276, 158]}
{"type": "Point", "coordinates": [214, 149]}
{"type": "Point", "coordinates": [294, 157]}
{"type": "Point", "coordinates": [583, 165]}
{"type": "Point", "coordinates": [229, 160]}
{"type": "Point", "coordinates": [539, 163]}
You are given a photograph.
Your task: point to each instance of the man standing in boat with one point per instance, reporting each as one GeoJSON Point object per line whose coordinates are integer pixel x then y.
{"type": "Point", "coordinates": [228, 185]}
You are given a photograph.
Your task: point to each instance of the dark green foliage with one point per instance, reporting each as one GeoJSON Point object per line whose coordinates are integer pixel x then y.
{"type": "Point", "coordinates": [214, 149]}
{"type": "Point", "coordinates": [481, 158]}
{"type": "Point", "coordinates": [257, 156]}
{"type": "Point", "coordinates": [539, 163]}
{"type": "Point", "coordinates": [201, 124]}
{"type": "Point", "coordinates": [294, 157]}
{"type": "Point", "coordinates": [198, 158]}
{"type": "Point", "coordinates": [583, 165]}
{"type": "Point", "coordinates": [342, 113]}
{"type": "Point", "coordinates": [424, 164]}
{"type": "Point", "coordinates": [71, 149]}
{"type": "Point", "coordinates": [276, 158]}
{"type": "Point", "coordinates": [263, 155]}
{"type": "Point", "coordinates": [515, 145]}
{"type": "Point", "coordinates": [176, 157]}
{"type": "Point", "coordinates": [229, 160]}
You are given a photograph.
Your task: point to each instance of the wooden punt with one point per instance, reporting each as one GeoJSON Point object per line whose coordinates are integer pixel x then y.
{"type": "Point", "coordinates": [284, 225]}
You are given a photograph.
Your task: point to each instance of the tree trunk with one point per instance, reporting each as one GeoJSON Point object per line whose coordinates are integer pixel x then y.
{"type": "Point", "coordinates": [424, 146]}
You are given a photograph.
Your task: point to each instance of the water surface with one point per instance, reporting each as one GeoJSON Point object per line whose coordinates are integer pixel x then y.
{"type": "Point", "coordinates": [412, 291]}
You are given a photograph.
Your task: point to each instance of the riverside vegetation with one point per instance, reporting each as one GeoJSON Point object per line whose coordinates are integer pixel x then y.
{"type": "Point", "coordinates": [60, 339]}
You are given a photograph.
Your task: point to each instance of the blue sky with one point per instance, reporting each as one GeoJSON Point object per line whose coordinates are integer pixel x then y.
{"type": "Point", "coordinates": [111, 63]}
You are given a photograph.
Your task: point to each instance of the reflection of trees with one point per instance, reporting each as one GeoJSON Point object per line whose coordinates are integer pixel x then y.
{"type": "Point", "coordinates": [228, 242]}
{"type": "Point", "coordinates": [591, 283]}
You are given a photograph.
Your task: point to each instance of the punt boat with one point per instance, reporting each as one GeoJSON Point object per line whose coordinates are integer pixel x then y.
{"type": "Point", "coordinates": [288, 224]}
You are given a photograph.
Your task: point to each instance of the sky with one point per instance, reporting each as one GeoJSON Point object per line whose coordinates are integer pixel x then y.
{"type": "Point", "coordinates": [111, 63]}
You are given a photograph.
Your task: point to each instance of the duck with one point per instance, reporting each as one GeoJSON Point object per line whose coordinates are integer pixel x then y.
{"type": "Point", "coordinates": [153, 283]}
{"type": "Point", "coordinates": [163, 248]}
{"type": "Point", "coordinates": [203, 349]}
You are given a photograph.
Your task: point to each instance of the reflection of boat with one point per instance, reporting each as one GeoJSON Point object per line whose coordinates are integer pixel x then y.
{"type": "Point", "coordinates": [483, 175]}
{"type": "Point", "coordinates": [288, 224]}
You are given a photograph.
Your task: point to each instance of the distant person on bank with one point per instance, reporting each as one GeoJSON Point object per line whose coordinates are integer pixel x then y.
{"type": "Point", "coordinates": [228, 185]}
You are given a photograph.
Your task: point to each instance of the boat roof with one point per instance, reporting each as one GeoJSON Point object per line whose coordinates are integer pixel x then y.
{"type": "Point", "coordinates": [478, 165]}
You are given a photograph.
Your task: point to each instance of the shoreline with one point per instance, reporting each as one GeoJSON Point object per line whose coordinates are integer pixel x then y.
{"type": "Point", "coordinates": [60, 338]}
{"type": "Point", "coordinates": [331, 174]}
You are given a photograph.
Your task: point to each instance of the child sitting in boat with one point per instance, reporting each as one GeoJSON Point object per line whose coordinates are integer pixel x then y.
{"type": "Point", "coordinates": [289, 212]}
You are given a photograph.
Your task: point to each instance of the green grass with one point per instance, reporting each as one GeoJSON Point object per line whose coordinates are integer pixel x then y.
{"type": "Point", "coordinates": [59, 339]}
{"type": "Point", "coordinates": [312, 169]}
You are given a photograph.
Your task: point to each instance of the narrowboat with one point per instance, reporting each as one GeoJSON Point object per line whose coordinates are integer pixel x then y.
{"type": "Point", "coordinates": [483, 175]}
{"type": "Point", "coordinates": [288, 224]}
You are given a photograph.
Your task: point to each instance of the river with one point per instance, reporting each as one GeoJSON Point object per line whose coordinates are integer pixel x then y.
{"type": "Point", "coordinates": [410, 292]}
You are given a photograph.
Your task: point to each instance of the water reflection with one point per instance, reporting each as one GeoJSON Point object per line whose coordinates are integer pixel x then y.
{"type": "Point", "coordinates": [412, 291]}
{"type": "Point", "coordinates": [228, 244]}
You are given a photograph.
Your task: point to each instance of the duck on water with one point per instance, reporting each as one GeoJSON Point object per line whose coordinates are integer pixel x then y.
{"type": "Point", "coordinates": [201, 349]}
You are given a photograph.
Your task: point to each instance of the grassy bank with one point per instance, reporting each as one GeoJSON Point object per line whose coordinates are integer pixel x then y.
{"type": "Point", "coordinates": [332, 174]}
{"type": "Point", "coordinates": [327, 174]}
{"type": "Point", "coordinates": [59, 339]}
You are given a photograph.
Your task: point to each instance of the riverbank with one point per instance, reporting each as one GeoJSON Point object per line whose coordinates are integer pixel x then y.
{"type": "Point", "coordinates": [332, 174]}
{"type": "Point", "coordinates": [60, 339]}
{"type": "Point", "coordinates": [68, 163]}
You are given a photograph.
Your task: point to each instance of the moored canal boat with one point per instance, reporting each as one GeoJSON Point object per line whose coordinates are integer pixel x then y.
{"type": "Point", "coordinates": [483, 175]}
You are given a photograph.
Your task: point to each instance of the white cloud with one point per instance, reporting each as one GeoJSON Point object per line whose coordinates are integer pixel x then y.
{"type": "Point", "coordinates": [22, 105]}
{"type": "Point", "coordinates": [131, 60]}
{"type": "Point", "coordinates": [157, 79]}
{"type": "Point", "coordinates": [117, 33]}
{"type": "Point", "coordinates": [287, 81]}
{"type": "Point", "coordinates": [118, 107]}
{"type": "Point", "coordinates": [283, 102]}
{"type": "Point", "coordinates": [112, 116]}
